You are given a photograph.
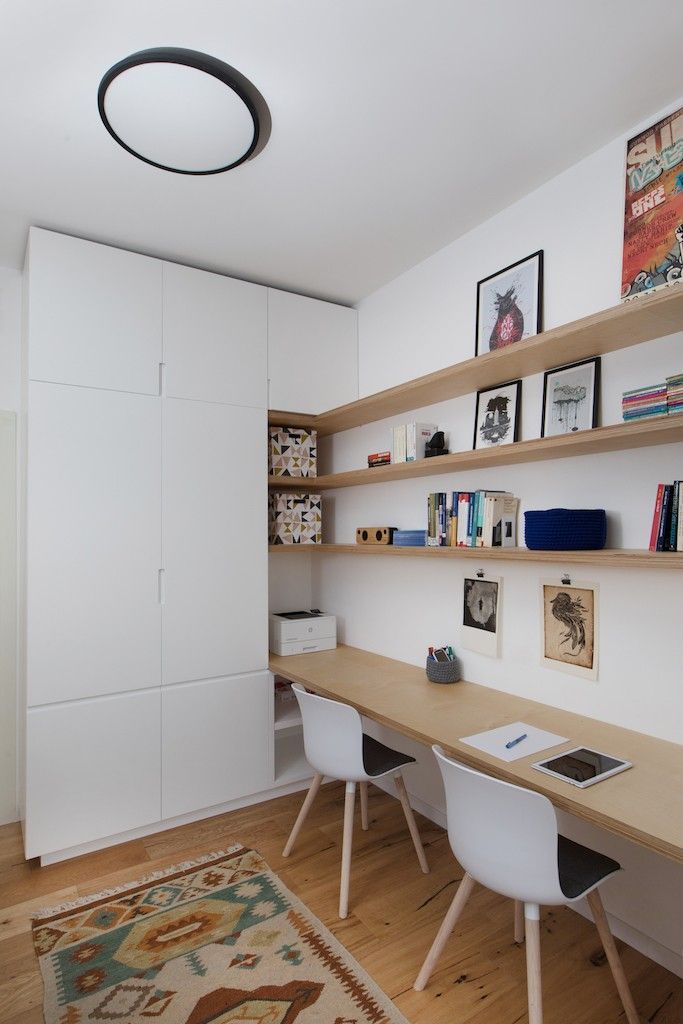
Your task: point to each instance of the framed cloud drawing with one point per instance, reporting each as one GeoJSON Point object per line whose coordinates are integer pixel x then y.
{"type": "Point", "coordinates": [481, 614]}
{"type": "Point", "coordinates": [569, 627]}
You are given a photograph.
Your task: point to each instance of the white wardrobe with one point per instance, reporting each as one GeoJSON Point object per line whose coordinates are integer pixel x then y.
{"type": "Point", "coordinates": [145, 555]}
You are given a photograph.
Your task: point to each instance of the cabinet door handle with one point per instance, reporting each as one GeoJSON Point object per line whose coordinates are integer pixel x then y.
{"type": "Point", "coordinates": [162, 379]}
{"type": "Point", "coordinates": [162, 586]}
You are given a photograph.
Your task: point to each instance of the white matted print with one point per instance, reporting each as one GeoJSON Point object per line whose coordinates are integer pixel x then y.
{"type": "Point", "coordinates": [569, 627]}
{"type": "Point", "coordinates": [481, 614]}
{"type": "Point", "coordinates": [510, 304]}
{"type": "Point", "coordinates": [496, 416]}
{"type": "Point", "coordinates": [570, 398]}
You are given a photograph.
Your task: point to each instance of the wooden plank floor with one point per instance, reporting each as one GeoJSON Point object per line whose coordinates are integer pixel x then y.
{"type": "Point", "coordinates": [394, 914]}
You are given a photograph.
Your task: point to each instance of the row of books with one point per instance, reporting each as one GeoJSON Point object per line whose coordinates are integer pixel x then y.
{"type": "Point", "coordinates": [667, 522]}
{"type": "Point", "coordinates": [654, 400]}
{"type": "Point", "coordinates": [469, 519]}
{"type": "Point", "coordinates": [408, 441]}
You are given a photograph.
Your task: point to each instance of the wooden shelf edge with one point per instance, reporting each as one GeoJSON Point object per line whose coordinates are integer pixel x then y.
{"type": "Point", "coordinates": [616, 437]}
{"type": "Point", "coordinates": [631, 323]}
{"type": "Point", "coordinates": [619, 557]}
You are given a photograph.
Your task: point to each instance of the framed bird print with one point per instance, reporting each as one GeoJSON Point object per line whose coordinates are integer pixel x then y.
{"type": "Point", "coordinates": [510, 304]}
{"type": "Point", "coordinates": [569, 627]}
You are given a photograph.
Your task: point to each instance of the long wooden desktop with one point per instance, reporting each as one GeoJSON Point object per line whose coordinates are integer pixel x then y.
{"type": "Point", "coordinates": [644, 804]}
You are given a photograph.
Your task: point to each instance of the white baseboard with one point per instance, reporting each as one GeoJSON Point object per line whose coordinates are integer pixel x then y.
{"type": "Point", "coordinates": [167, 823]}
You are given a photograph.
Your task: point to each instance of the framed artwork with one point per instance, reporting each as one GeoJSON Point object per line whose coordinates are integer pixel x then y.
{"type": "Point", "coordinates": [496, 417]}
{"type": "Point", "coordinates": [653, 208]}
{"type": "Point", "coordinates": [481, 614]}
{"type": "Point", "coordinates": [510, 304]}
{"type": "Point", "coordinates": [569, 627]}
{"type": "Point", "coordinates": [570, 398]}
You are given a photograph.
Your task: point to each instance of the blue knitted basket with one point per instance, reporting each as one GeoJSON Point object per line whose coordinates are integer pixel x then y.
{"type": "Point", "coordinates": [566, 529]}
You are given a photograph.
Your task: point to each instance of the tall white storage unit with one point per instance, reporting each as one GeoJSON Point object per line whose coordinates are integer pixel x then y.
{"type": "Point", "coordinates": [145, 556]}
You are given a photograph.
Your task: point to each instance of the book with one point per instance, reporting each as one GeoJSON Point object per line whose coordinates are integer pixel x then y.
{"type": "Point", "coordinates": [679, 530]}
{"type": "Point", "coordinates": [417, 435]}
{"type": "Point", "coordinates": [656, 517]}
{"type": "Point", "coordinates": [508, 521]}
{"type": "Point", "coordinates": [664, 519]}
{"type": "Point", "coordinates": [398, 443]}
{"type": "Point", "coordinates": [673, 531]}
{"type": "Point", "coordinates": [463, 516]}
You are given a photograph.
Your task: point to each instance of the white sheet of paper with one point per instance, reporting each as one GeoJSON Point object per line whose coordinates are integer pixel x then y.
{"type": "Point", "coordinates": [493, 741]}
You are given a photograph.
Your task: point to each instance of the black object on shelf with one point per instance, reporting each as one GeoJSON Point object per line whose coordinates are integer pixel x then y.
{"type": "Point", "coordinates": [436, 445]}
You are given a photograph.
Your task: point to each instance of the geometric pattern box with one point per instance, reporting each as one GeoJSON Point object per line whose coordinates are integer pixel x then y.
{"type": "Point", "coordinates": [292, 452]}
{"type": "Point", "coordinates": [294, 518]}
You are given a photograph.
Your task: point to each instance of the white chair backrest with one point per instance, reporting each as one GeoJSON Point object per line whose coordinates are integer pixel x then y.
{"type": "Point", "coordinates": [333, 736]}
{"type": "Point", "coordinates": [503, 835]}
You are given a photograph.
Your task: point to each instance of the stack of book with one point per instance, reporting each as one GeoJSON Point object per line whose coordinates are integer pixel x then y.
{"type": "Point", "coordinates": [642, 403]}
{"type": "Point", "coordinates": [674, 393]}
{"type": "Point", "coordinates": [408, 441]}
{"type": "Point", "coordinates": [471, 519]}
{"type": "Point", "coordinates": [667, 523]}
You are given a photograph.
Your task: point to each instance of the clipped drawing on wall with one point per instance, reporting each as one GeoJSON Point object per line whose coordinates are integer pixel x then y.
{"type": "Point", "coordinates": [570, 398]}
{"type": "Point", "coordinates": [569, 627]}
{"type": "Point", "coordinates": [653, 209]}
{"type": "Point", "coordinates": [496, 418]}
{"type": "Point", "coordinates": [481, 614]}
{"type": "Point", "coordinates": [510, 304]}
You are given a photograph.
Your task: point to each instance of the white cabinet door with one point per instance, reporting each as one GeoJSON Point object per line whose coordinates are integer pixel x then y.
{"type": "Point", "coordinates": [93, 770]}
{"type": "Point", "coordinates": [94, 314]}
{"type": "Point", "coordinates": [215, 333]}
{"type": "Point", "coordinates": [312, 353]}
{"type": "Point", "coordinates": [94, 542]}
{"type": "Point", "coordinates": [217, 742]}
{"type": "Point", "coordinates": [214, 541]}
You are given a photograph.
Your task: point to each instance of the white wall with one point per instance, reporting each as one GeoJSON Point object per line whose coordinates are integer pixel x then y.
{"type": "Point", "coordinates": [424, 320]}
{"type": "Point", "coordinates": [10, 316]}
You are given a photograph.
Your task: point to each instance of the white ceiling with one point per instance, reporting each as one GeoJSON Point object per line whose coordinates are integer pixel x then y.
{"type": "Point", "coordinates": [397, 124]}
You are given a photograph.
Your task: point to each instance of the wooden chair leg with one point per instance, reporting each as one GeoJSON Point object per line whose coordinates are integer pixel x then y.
{"type": "Point", "coordinates": [412, 824]}
{"type": "Point", "coordinates": [447, 925]}
{"type": "Point", "coordinates": [519, 922]}
{"type": "Point", "coordinates": [533, 961]}
{"type": "Point", "coordinates": [613, 958]}
{"type": "Point", "coordinates": [347, 842]}
{"type": "Point", "coordinates": [364, 806]}
{"type": "Point", "coordinates": [303, 813]}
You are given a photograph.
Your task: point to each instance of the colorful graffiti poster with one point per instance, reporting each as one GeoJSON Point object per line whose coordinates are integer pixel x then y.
{"type": "Point", "coordinates": [653, 222]}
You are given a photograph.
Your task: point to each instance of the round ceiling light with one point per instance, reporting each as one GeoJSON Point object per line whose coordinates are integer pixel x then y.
{"type": "Point", "coordinates": [183, 111]}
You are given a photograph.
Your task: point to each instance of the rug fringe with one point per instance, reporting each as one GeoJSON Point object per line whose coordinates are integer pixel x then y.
{"type": "Point", "coordinates": [155, 876]}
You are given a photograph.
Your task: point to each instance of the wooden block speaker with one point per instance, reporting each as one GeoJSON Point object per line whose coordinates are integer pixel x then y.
{"type": "Point", "coordinates": [375, 534]}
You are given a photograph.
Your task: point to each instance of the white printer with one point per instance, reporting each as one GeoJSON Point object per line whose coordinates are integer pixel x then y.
{"type": "Point", "coordinates": [302, 632]}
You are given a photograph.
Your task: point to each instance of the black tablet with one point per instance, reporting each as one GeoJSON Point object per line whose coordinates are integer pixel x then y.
{"type": "Point", "coordinates": [582, 767]}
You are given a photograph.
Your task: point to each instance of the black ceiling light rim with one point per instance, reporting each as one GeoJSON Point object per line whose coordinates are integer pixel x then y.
{"type": "Point", "coordinates": [229, 76]}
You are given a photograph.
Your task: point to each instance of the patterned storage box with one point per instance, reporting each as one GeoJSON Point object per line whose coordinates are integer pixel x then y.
{"type": "Point", "coordinates": [294, 518]}
{"type": "Point", "coordinates": [292, 452]}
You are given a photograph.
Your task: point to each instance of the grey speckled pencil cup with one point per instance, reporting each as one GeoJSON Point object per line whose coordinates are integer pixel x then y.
{"type": "Point", "coordinates": [443, 671]}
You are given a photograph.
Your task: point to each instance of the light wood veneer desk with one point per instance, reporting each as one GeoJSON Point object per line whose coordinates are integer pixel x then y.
{"type": "Point", "coordinates": [644, 804]}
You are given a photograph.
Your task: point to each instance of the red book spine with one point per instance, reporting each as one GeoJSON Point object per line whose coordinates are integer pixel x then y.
{"type": "Point", "coordinates": [654, 533]}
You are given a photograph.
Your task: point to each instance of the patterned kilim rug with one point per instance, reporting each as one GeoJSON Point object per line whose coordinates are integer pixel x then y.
{"type": "Point", "coordinates": [218, 940]}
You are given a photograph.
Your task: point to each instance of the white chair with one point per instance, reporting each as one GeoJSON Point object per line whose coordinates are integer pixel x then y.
{"type": "Point", "coordinates": [336, 746]}
{"type": "Point", "coordinates": [506, 838]}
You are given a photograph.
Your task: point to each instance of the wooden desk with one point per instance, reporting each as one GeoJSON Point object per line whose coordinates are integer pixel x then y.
{"type": "Point", "coordinates": [644, 804]}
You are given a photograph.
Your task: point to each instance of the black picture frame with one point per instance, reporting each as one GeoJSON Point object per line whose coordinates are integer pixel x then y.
{"type": "Point", "coordinates": [536, 294]}
{"type": "Point", "coordinates": [478, 430]}
{"type": "Point", "coordinates": [592, 404]}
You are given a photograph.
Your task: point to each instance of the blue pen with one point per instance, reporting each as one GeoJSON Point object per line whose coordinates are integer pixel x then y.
{"type": "Point", "coordinates": [513, 743]}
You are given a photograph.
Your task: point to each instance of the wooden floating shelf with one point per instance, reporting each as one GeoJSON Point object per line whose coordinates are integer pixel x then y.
{"type": "Point", "coordinates": [626, 558]}
{"type": "Point", "coordinates": [618, 437]}
{"type": "Point", "coordinates": [642, 319]}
